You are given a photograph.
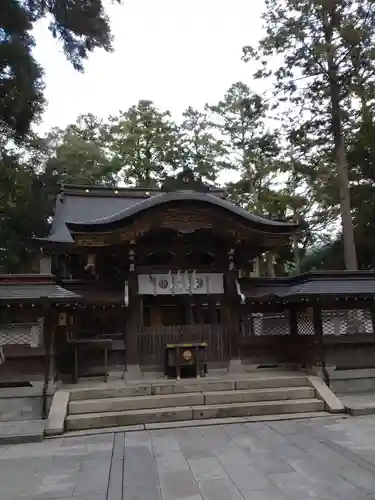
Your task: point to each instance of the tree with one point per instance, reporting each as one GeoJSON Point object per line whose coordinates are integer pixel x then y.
{"type": "Point", "coordinates": [144, 144]}
{"type": "Point", "coordinates": [81, 26]}
{"type": "Point", "coordinates": [317, 40]}
{"type": "Point", "coordinates": [21, 210]}
{"type": "Point", "coordinates": [32, 175]}
{"type": "Point", "coordinates": [78, 154]}
{"type": "Point", "coordinates": [203, 152]}
{"type": "Point", "coordinates": [251, 150]}
{"type": "Point", "coordinates": [361, 159]}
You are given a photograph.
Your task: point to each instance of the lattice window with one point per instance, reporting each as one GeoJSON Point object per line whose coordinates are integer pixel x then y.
{"type": "Point", "coordinates": [305, 325]}
{"type": "Point", "coordinates": [347, 321]}
{"type": "Point", "coordinates": [22, 334]}
{"type": "Point", "coordinates": [266, 324]}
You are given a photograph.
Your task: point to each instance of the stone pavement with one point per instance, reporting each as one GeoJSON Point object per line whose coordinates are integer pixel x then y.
{"type": "Point", "coordinates": [330, 458]}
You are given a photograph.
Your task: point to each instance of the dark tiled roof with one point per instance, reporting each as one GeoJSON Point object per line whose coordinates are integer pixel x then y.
{"type": "Point", "coordinates": [336, 287]}
{"type": "Point", "coordinates": [328, 284]}
{"type": "Point", "coordinates": [186, 196]}
{"type": "Point", "coordinates": [78, 209]}
{"type": "Point", "coordinates": [36, 291]}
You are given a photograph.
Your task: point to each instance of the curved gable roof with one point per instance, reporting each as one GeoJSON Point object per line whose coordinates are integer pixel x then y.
{"type": "Point", "coordinates": [165, 198]}
{"type": "Point", "coordinates": [85, 208]}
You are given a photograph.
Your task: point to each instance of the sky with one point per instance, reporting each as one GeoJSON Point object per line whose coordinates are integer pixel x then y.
{"type": "Point", "coordinates": [176, 53]}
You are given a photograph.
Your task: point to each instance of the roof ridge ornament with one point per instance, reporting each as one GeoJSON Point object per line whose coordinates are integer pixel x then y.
{"type": "Point", "coordinates": [185, 180]}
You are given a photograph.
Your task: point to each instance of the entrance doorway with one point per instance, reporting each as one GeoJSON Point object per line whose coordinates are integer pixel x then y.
{"type": "Point", "coordinates": [168, 311]}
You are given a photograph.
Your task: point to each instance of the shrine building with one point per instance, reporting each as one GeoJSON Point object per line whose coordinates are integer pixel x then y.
{"type": "Point", "coordinates": [125, 272]}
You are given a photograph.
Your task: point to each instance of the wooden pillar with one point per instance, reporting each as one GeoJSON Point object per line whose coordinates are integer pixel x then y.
{"type": "Point", "coordinates": [270, 264]}
{"type": "Point", "coordinates": [318, 356]}
{"type": "Point", "coordinates": [212, 309]}
{"type": "Point", "coordinates": [231, 321]}
{"type": "Point", "coordinates": [293, 320]}
{"type": "Point", "coordinates": [199, 309]}
{"type": "Point", "coordinates": [132, 324]}
{"type": "Point", "coordinates": [49, 326]}
{"type": "Point", "coordinates": [188, 302]}
{"type": "Point", "coordinates": [373, 318]}
{"type": "Point", "coordinates": [133, 321]}
{"type": "Point", "coordinates": [52, 369]}
{"type": "Point", "coordinates": [156, 317]}
{"type": "Point", "coordinates": [293, 345]}
{"type": "Point", "coordinates": [230, 316]}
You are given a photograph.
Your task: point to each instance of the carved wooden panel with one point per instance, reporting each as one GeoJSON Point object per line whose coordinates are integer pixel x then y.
{"type": "Point", "coordinates": [92, 240]}
{"type": "Point", "coordinates": [179, 220]}
{"type": "Point", "coordinates": [175, 219]}
{"type": "Point", "coordinates": [138, 228]}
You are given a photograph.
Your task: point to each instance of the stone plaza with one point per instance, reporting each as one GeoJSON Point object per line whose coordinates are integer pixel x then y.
{"type": "Point", "coordinates": [322, 458]}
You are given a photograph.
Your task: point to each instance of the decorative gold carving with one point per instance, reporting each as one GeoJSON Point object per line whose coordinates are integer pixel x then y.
{"type": "Point", "coordinates": [92, 240]}
{"type": "Point", "coordinates": [139, 228]}
{"type": "Point", "coordinates": [127, 235]}
{"type": "Point", "coordinates": [179, 220]}
{"type": "Point", "coordinates": [175, 219]}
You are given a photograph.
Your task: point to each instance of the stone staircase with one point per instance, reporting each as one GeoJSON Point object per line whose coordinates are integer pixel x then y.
{"type": "Point", "coordinates": [192, 400]}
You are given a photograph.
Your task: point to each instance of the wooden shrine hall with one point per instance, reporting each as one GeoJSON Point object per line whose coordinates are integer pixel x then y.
{"type": "Point", "coordinates": [125, 272]}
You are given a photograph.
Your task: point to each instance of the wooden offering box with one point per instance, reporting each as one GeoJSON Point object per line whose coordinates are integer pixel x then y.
{"type": "Point", "coordinates": [190, 358]}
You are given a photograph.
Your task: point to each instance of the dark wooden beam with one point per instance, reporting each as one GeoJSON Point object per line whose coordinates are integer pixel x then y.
{"type": "Point", "coordinates": [48, 336]}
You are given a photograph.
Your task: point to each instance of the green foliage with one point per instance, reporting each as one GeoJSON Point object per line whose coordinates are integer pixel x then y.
{"type": "Point", "coordinates": [31, 177]}
{"type": "Point", "coordinates": [251, 150]}
{"type": "Point", "coordinates": [203, 152]}
{"type": "Point", "coordinates": [326, 49]}
{"type": "Point", "coordinates": [21, 210]}
{"type": "Point", "coordinates": [78, 154]}
{"type": "Point", "coordinates": [144, 144]}
{"type": "Point", "coordinates": [81, 26]}
{"type": "Point", "coordinates": [361, 160]}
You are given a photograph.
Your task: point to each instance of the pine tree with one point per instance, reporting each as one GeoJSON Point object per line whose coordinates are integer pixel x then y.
{"type": "Point", "coordinates": [144, 144]}
{"type": "Point", "coordinates": [250, 149]}
{"type": "Point", "coordinates": [317, 41]}
{"type": "Point", "coordinates": [203, 151]}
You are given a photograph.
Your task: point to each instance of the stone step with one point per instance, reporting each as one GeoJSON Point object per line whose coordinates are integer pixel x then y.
{"type": "Point", "coordinates": [261, 381]}
{"type": "Point", "coordinates": [157, 415]}
{"type": "Point", "coordinates": [188, 399]}
{"type": "Point", "coordinates": [360, 410]}
{"type": "Point", "coordinates": [253, 395]}
{"type": "Point", "coordinates": [135, 403]}
{"type": "Point", "coordinates": [24, 431]}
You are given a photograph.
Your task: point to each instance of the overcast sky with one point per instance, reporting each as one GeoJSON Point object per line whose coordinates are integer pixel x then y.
{"type": "Point", "coordinates": [174, 52]}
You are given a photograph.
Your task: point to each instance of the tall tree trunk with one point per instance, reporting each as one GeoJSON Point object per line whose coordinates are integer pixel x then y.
{"type": "Point", "coordinates": [296, 252]}
{"type": "Point", "coordinates": [246, 163]}
{"type": "Point", "coordinates": [330, 25]}
{"type": "Point", "coordinates": [350, 254]}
